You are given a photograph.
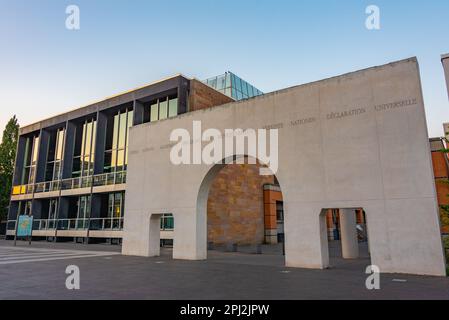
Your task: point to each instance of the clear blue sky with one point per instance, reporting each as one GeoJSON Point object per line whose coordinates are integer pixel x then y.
{"type": "Point", "coordinates": [46, 69]}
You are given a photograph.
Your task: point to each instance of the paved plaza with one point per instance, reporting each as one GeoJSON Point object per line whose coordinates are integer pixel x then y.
{"type": "Point", "coordinates": [38, 272]}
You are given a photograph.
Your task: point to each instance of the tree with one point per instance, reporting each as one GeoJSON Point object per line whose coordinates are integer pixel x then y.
{"type": "Point", "coordinates": [7, 158]}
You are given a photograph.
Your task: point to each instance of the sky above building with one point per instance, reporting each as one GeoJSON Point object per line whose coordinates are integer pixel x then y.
{"type": "Point", "coordinates": [47, 69]}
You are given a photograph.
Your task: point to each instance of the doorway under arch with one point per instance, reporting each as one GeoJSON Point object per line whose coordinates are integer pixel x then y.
{"type": "Point", "coordinates": [242, 208]}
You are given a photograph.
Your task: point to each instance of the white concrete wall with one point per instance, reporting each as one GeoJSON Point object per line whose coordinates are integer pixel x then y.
{"type": "Point", "coordinates": [377, 158]}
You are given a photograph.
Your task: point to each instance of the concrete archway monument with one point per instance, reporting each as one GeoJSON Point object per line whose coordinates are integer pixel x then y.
{"type": "Point", "coordinates": [353, 141]}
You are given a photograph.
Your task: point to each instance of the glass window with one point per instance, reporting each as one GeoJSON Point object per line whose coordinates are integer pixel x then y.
{"type": "Point", "coordinates": [167, 222]}
{"type": "Point", "coordinates": [88, 138]}
{"type": "Point", "coordinates": [279, 211]}
{"type": "Point", "coordinates": [107, 161]}
{"type": "Point", "coordinates": [122, 131]}
{"type": "Point", "coordinates": [32, 175]}
{"type": "Point", "coordinates": [221, 82]}
{"type": "Point", "coordinates": [130, 124]}
{"type": "Point", "coordinates": [239, 95]}
{"type": "Point", "coordinates": [228, 80]}
{"type": "Point", "coordinates": [163, 109]}
{"type": "Point", "coordinates": [76, 167]}
{"type": "Point", "coordinates": [244, 88]}
{"type": "Point", "coordinates": [154, 112]}
{"type": "Point", "coordinates": [35, 150]}
{"type": "Point", "coordinates": [250, 91]}
{"type": "Point", "coordinates": [120, 160]}
{"type": "Point", "coordinates": [238, 84]}
{"type": "Point", "coordinates": [173, 107]}
{"type": "Point", "coordinates": [94, 136]}
{"type": "Point", "coordinates": [57, 171]}
{"type": "Point", "coordinates": [60, 144]}
{"type": "Point", "coordinates": [116, 130]}
{"type": "Point", "coordinates": [52, 209]}
{"type": "Point", "coordinates": [234, 93]}
{"type": "Point", "coordinates": [28, 147]}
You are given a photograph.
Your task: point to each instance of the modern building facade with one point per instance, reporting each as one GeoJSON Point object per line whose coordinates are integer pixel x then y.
{"type": "Point", "coordinates": [72, 171]}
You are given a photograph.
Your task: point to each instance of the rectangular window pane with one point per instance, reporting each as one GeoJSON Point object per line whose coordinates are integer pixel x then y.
{"type": "Point", "coordinates": [238, 84]}
{"type": "Point", "coordinates": [94, 135]}
{"type": "Point", "coordinates": [32, 174]}
{"type": "Point", "coordinates": [60, 144]}
{"type": "Point", "coordinates": [126, 159]}
{"type": "Point", "coordinates": [114, 160]}
{"type": "Point", "coordinates": [76, 167]}
{"type": "Point", "coordinates": [88, 139]}
{"type": "Point", "coordinates": [122, 131]}
{"type": "Point", "coordinates": [57, 170]}
{"type": "Point", "coordinates": [173, 107]}
{"type": "Point", "coordinates": [130, 124]}
{"type": "Point", "coordinates": [221, 82]}
{"type": "Point", "coordinates": [107, 161]}
{"type": "Point", "coordinates": [110, 205]}
{"type": "Point", "coordinates": [115, 133]}
{"type": "Point", "coordinates": [83, 139]}
{"type": "Point", "coordinates": [244, 88]}
{"type": "Point", "coordinates": [120, 160]}
{"type": "Point", "coordinates": [154, 112]}
{"type": "Point", "coordinates": [163, 108]}
{"type": "Point", "coordinates": [28, 147]}
{"type": "Point", "coordinates": [49, 172]}
{"type": "Point", "coordinates": [228, 80]}
{"type": "Point", "coordinates": [35, 150]}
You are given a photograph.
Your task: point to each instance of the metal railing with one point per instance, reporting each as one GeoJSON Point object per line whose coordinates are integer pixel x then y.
{"type": "Point", "coordinates": [76, 183]}
{"type": "Point", "coordinates": [44, 224]}
{"type": "Point", "coordinates": [11, 225]}
{"type": "Point", "coordinates": [107, 179]}
{"type": "Point", "coordinates": [49, 186]}
{"type": "Point", "coordinates": [101, 224]}
{"type": "Point", "coordinates": [99, 180]}
{"type": "Point", "coordinates": [73, 224]}
{"type": "Point", "coordinates": [97, 224]}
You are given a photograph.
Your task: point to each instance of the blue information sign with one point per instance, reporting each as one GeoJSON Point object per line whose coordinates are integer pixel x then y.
{"type": "Point", "coordinates": [25, 227]}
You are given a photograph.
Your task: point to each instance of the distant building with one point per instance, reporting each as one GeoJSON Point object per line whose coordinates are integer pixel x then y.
{"type": "Point", "coordinates": [445, 61]}
{"type": "Point", "coordinates": [440, 163]}
{"type": "Point", "coordinates": [233, 86]}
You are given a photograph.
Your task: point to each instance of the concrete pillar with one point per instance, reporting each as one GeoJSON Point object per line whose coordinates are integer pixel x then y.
{"type": "Point", "coordinates": [154, 244]}
{"type": "Point", "coordinates": [100, 142]}
{"type": "Point", "coordinates": [139, 113]}
{"type": "Point", "coordinates": [190, 234]}
{"type": "Point", "coordinates": [41, 166]}
{"type": "Point", "coordinates": [306, 244]}
{"type": "Point", "coordinates": [69, 145]}
{"type": "Point", "coordinates": [349, 242]}
{"type": "Point", "coordinates": [20, 159]}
